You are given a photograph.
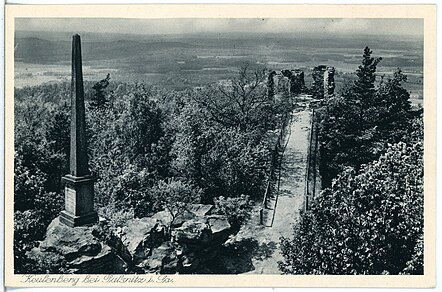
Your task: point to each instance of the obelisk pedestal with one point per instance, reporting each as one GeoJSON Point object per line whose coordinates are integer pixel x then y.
{"type": "Point", "coordinates": [79, 201]}
{"type": "Point", "coordinates": [79, 187]}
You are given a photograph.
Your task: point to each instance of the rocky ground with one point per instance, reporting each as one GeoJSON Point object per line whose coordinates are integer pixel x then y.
{"type": "Point", "coordinates": [142, 246]}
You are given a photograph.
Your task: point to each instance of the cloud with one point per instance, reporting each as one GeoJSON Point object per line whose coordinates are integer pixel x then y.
{"type": "Point", "coordinates": [349, 25]}
{"type": "Point", "coordinates": [179, 26]}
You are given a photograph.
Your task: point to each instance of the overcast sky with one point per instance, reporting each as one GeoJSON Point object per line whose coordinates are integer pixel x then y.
{"type": "Point", "coordinates": [405, 27]}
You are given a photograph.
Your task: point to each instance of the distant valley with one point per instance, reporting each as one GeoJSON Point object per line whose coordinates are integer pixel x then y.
{"type": "Point", "coordinates": [182, 61]}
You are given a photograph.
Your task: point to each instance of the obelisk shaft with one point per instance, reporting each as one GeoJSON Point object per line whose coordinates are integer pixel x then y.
{"type": "Point", "coordinates": [78, 158]}
{"type": "Point", "coordinates": [79, 183]}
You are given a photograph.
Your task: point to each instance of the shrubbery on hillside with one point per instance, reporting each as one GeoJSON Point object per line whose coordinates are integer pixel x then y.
{"type": "Point", "coordinates": [366, 223]}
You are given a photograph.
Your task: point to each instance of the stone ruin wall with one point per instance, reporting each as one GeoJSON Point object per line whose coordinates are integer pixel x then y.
{"type": "Point", "coordinates": [292, 82]}
{"type": "Point", "coordinates": [329, 81]}
{"type": "Point", "coordinates": [323, 81]}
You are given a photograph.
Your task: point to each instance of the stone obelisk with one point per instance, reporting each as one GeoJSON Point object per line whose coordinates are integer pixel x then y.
{"type": "Point", "coordinates": [79, 187]}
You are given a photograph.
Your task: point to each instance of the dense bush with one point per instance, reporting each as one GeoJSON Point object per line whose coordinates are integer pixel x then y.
{"type": "Point", "coordinates": [38, 163]}
{"type": "Point", "coordinates": [366, 223]}
{"type": "Point", "coordinates": [236, 209]}
{"type": "Point", "coordinates": [174, 196]}
{"type": "Point", "coordinates": [128, 149]}
{"type": "Point", "coordinates": [223, 139]}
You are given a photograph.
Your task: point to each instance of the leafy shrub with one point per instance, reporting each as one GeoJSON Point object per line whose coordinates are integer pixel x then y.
{"type": "Point", "coordinates": [366, 223]}
{"type": "Point", "coordinates": [415, 266]}
{"type": "Point", "coordinates": [234, 166]}
{"type": "Point", "coordinates": [132, 190]}
{"type": "Point", "coordinates": [28, 228]}
{"type": "Point", "coordinates": [46, 263]}
{"type": "Point", "coordinates": [129, 150]}
{"type": "Point", "coordinates": [174, 196]}
{"type": "Point", "coordinates": [27, 185]}
{"type": "Point", "coordinates": [237, 209]}
{"type": "Point", "coordinates": [116, 217]}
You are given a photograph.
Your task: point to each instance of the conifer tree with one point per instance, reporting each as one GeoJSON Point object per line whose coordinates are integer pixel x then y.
{"type": "Point", "coordinates": [364, 88]}
{"type": "Point", "coordinates": [99, 100]}
{"type": "Point", "coordinates": [363, 91]}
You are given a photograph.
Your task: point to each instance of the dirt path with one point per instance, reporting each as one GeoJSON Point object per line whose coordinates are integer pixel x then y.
{"type": "Point", "coordinates": [258, 246]}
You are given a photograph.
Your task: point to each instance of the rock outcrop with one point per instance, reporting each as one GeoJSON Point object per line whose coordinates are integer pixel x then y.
{"type": "Point", "coordinates": [83, 252]}
{"type": "Point", "coordinates": [138, 238]}
{"type": "Point", "coordinates": [145, 245]}
{"type": "Point", "coordinates": [196, 237]}
{"type": "Point", "coordinates": [200, 240]}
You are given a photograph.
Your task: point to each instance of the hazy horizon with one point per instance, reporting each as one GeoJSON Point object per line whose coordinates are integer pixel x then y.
{"type": "Point", "coordinates": [340, 27]}
{"type": "Point", "coordinates": [186, 53]}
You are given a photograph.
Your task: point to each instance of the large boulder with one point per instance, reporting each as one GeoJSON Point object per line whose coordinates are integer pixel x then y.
{"type": "Point", "coordinates": [163, 260]}
{"type": "Point", "coordinates": [194, 231]}
{"type": "Point", "coordinates": [203, 230]}
{"type": "Point", "coordinates": [70, 242]}
{"type": "Point", "coordinates": [105, 260]}
{"type": "Point", "coordinates": [165, 218]}
{"type": "Point", "coordinates": [83, 252]}
{"type": "Point", "coordinates": [200, 240]}
{"type": "Point", "coordinates": [138, 238]}
{"type": "Point", "coordinates": [219, 225]}
{"type": "Point", "coordinates": [200, 210]}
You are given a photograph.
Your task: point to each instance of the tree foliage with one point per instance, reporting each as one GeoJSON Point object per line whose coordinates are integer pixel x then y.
{"type": "Point", "coordinates": [366, 223]}
{"type": "Point", "coordinates": [355, 127]}
{"type": "Point", "coordinates": [369, 217]}
{"type": "Point", "coordinates": [99, 100]}
{"type": "Point", "coordinates": [150, 149]}
{"type": "Point", "coordinates": [174, 196]}
{"type": "Point", "coordinates": [364, 88]}
{"type": "Point", "coordinates": [236, 209]}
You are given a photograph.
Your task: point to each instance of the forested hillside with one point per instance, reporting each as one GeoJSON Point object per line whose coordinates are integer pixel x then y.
{"type": "Point", "coordinates": [151, 150]}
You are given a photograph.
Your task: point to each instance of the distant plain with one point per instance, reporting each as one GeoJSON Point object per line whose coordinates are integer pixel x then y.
{"type": "Point", "coordinates": [191, 60]}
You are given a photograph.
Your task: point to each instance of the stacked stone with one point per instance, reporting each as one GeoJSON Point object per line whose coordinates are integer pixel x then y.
{"type": "Point", "coordinates": [323, 81]}
{"type": "Point", "coordinates": [80, 248]}
{"type": "Point", "coordinates": [142, 245]}
{"type": "Point", "coordinates": [297, 83]}
{"type": "Point", "coordinates": [286, 81]}
{"type": "Point", "coordinates": [196, 237]}
{"type": "Point", "coordinates": [281, 83]}
{"type": "Point", "coordinates": [318, 81]}
{"type": "Point", "coordinates": [329, 81]}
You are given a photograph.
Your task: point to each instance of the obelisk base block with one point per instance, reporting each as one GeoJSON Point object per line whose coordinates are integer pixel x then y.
{"type": "Point", "coordinates": [79, 201]}
{"type": "Point", "coordinates": [73, 221]}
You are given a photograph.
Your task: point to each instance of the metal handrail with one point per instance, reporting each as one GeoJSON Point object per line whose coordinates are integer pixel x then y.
{"type": "Point", "coordinates": [275, 154]}
{"type": "Point", "coordinates": [309, 162]}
